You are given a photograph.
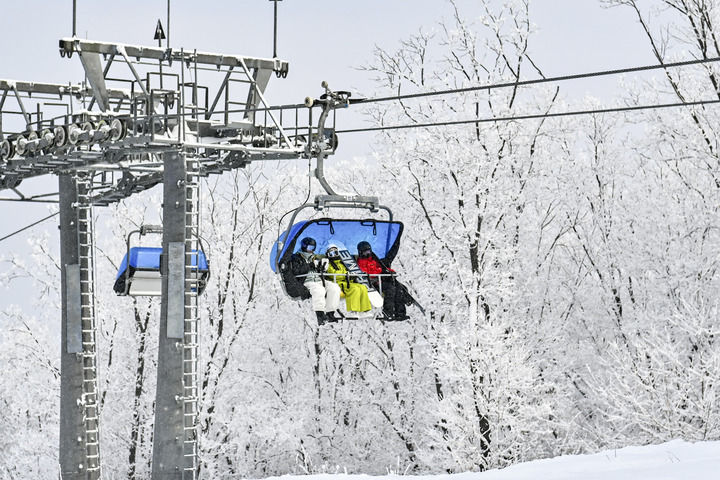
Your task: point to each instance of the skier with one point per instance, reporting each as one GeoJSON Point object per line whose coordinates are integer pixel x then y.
{"type": "Point", "coordinates": [382, 278]}
{"type": "Point", "coordinates": [356, 295]}
{"type": "Point", "coordinates": [306, 281]}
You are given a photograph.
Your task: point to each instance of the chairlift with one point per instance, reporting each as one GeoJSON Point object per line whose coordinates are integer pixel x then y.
{"type": "Point", "coordinates": [384, 238]}
{"type": "Point", "coordinates": [383, 235]}
{"type": "Point", "coordinates": [139, 272]}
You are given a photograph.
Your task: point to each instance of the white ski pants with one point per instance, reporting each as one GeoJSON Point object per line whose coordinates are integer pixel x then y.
{"type": "Point", "coordinates": [324, 298]}
{"type": "Point", "coordinates": [376, 300]}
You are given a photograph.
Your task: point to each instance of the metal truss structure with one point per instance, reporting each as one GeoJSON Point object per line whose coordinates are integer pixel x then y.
{"type": "Point", "coordinates": [119, 131]}
{"type": "Point", "coordinates": [144, 116]}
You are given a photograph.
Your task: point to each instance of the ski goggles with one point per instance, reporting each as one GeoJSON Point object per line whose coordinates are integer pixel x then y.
{"type": "Point", "coordinates": [309, 248]}
{"type": "Point", "coordinates": [365, 253]}
{"type": "Point", "coordinates": [333, 252]}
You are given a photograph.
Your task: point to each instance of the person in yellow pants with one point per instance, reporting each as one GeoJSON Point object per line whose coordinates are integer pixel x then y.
{"type": "Point", "coordinates": [356, 295]}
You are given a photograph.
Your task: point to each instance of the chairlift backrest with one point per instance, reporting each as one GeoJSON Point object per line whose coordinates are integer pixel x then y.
{"type": "Point", "coordinates": [383, 236]}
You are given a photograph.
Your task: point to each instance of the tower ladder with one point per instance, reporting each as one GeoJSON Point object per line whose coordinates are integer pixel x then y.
{"type": "Point", "coordinates": [89, 401]}
{"type": "Point", "coordinates": [191, 337]}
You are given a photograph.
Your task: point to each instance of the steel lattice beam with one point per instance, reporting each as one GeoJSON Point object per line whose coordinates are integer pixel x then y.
{"type": "Point", "coordinates": [57, 89]}
{"type": "Point", "coordinates": [152, 121]}
{"type": "Point", "coordinates": [68, 46]}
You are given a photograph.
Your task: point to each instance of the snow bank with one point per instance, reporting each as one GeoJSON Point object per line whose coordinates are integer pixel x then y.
{"type": "Point", "coordinates": [675, 460]}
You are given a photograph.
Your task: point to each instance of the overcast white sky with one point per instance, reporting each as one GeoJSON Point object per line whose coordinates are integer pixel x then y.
{"type": "Point", "coordinates": [322, 40]}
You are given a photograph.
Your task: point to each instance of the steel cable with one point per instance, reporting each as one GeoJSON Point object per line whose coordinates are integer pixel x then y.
{"type": "Point", "coordinates": [531, 116]}
{"type": "Point", "coordinates": [28, 226]}
{"type": "Point", "coordinates": [522, 83]}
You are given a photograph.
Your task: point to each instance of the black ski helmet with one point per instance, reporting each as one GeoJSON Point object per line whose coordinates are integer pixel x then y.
{"type": "Point", "coordinates": [362, 246]}
{"type": "Point", "coordinates": [306, 242]}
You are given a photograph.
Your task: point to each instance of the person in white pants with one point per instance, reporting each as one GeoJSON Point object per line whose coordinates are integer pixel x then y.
{"type": "Point", "coordinates": [308, 267]}
{"type": "Point", "coordinates": [325, 297]}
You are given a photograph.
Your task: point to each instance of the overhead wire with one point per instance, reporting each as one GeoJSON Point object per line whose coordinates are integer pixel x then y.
{"type": "Point", "coordinates": [28, 200]}
{"type": "Point", "coordinates": [28, 226]}
{"type": "Point", "coordinates": [519, 83]}
{"type": "Point", "coordinates": [537, 81]}
{"type": "Point", "coordinates": [532, 116]}
{"type": "Point", "coordinates": [523, 83]}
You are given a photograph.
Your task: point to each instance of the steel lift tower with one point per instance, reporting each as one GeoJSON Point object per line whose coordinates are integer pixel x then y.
{"type": "Point", "coordinates": [144, 116]}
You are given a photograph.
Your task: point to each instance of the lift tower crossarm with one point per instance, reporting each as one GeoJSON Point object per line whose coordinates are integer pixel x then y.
{"type": "Point", "coordinates": [68, 46]}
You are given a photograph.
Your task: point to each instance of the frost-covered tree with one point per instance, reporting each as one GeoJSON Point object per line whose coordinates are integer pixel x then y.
{"type": "Point", "coordinates": [656, 380]}
{"type": "Point", "coordinates": [469, 192]}
{"type": "Point", "coordinates": [29, 398]}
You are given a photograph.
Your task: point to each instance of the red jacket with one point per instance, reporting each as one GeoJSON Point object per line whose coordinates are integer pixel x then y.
{"type": "Point", "coordinates": [372, 265]}
{"type": "Point", "coordinates": [369, 265]}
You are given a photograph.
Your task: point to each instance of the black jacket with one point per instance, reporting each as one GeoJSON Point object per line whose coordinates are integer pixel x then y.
{"type": "Point", "coordinates": [295, 266]}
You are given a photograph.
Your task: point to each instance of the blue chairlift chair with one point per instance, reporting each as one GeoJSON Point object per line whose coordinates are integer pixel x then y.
{"type": "Point", "coordinates": [139, 272]}
{"type": "Point", "coordinates": [383, 236]}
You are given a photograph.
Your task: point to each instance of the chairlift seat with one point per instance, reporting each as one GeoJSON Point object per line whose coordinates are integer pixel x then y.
{"type": "Point", "coordinates": [142, 272]}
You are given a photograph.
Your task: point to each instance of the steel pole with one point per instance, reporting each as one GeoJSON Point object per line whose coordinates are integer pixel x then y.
{"type": "Point", "coordinates": [72, 427]}
{"type": "Point", "coordinates": [167, 40]}
{"type": "Point", "coordinates": [168, 461]}
{"type": "Point", "coordinates": [74, 29]}
{"type": "Point", "coordinates": [275, 29]}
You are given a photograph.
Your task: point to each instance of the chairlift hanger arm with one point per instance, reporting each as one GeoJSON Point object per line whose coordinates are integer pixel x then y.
{"type": "Point", "coordinates": [127, 256]}
{"type": "Point", "coordinates": [330, 101]}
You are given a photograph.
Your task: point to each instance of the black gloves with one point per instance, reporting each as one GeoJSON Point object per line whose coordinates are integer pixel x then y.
{"type": "Point", "coordinates": [305, 293]}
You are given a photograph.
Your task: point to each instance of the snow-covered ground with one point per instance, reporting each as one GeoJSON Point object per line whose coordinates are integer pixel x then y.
{"type": "Point", "coordinates": [675, 460]}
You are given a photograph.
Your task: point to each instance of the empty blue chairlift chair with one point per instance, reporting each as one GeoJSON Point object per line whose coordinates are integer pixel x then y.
{"type": "Point", "coordinates": [139, 272]}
